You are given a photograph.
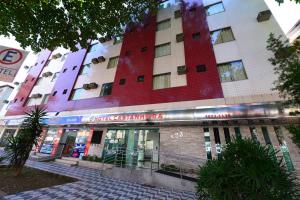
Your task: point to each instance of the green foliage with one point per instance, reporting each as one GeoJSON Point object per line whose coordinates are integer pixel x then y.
{"type": "Point", "coordinates": [295, 131]}
{"type": "Point", "coordinates": [169, 168]}
{"type": "Point", "coordinates": [282, 1]}
{"type": "Point", "coordinates": [92, 158]}
{"type": "Point", "coordinates": [18, 148]}
{"type": "Point", "coordinates": [246, 170]}
{"type": "Point", "coordinates": [287, 67]}
{"type": "Point", "coordinates": [52, 23]}
{"type": "Point", "coordinates": [1, 159]}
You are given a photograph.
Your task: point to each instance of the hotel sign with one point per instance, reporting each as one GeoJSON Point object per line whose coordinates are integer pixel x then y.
{"type": "Point", "coordinates": [10, 62]}
{"type": "Point", "coordinates": [245, 111]}
{"type": "Point", "coordinates": [123, 117]}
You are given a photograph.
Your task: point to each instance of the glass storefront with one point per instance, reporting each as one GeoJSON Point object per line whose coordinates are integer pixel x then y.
{"type": "Point", "coordinates": [6, 134]}
{"type": "Point", "coordinates": [132, 147]}
{"type": "Point", "coordinates": [75, 142]}
{"type": "Point", "coordinates": [47, 146]}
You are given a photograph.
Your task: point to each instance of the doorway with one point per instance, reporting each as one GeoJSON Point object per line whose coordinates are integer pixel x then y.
{"type": "Point", "coordinates": [132, 147]}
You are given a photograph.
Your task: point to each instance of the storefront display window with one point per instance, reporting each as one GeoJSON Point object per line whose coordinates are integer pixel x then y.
{"type": "Point", "coordinates": [132, 147]}
{"type": "Point", "coordinates": [47, 146]}
{"type": "Point", "coordinates": [6, 134]}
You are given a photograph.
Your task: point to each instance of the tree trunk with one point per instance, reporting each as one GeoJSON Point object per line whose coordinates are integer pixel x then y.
{"type": "Point", "coordinates": [18, 171]}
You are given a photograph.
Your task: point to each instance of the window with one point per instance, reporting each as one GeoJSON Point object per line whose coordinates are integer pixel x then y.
{"type": "Point", "coordinates": [64, 57]}
{"type": "Point", "coordinates": [161, 81]}
{"type": "Point", "coordinates": [201, 68]}
{"type": "Point", "coordinates": [96, 138]}
{"type": "Point", "coordinates": [227, 135]}
{"type": "Point", "coordinates": [113, 62]}
{"type": "Point", "coordinates": [106, 89]}
{"type": "Point", "coordinates": [196, 36]}
{"type": "Point", "coordinates": [45, 99]}
{"type": "Point", "coordinates": [76, 93]}
{"type": "Point", "coordinates": [65, 91]}
{"type": "Point", "coordinates": [85, 69]}
{"type": "Point", "coordinates": [232, 71]}
{"type": "Point", "coordinates": [253, 134]}
{"type": "Point", "coordinates": [163, 50]}
{"type": "Point", "coordinates": [128, 53]}
{"type": "Point", "coordinates": [54, 93]}
{"type": "Point", "coordinates": [118, 40]}
{"type": "Point", "coordinates": [122, 81]}
{"type": "Point", "coordinates": [165, 24]}
{"type": "Point", "coordinates": [39, 81]}
{"type": "Point", "coordinates": [221, 36]}
{"type": "Point", "coordinates": [237, 131]}
{"type": "Point", "coordinates": [165, 4]}
{"type": "Point", "coordinates": [144, 49]}
{"type": "Point", "coordinates": [75, 67]}
{"type": "Point", "coordinates": [92, 48]}
{"type": "Point", "coordinates": [140, 79]}
{"type": "Point", "coordinates": [64, 71]}
{"type": "Point", "coordinates": [214, 9]}
{"type": "Point", "coordinates": [55, 76]}
{"type": "Point", "coordinates": [6, 134]}
{"type": "Point", "coordinates": [47, 63]}
{"type": "Point", "coordinates": [30, 101]}
{"type": "Point", "coordinates": [266, 135]}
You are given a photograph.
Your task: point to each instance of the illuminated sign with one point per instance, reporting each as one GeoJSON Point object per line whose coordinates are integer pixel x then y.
{"type": "Point", "coordinates": [10, 62]}
{"type": "Point", "coordinates": [123, 117]}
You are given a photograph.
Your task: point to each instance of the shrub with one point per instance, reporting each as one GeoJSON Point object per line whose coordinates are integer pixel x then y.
{"type": "Point", "coordinates": [18, 148]}
{"type": "Point", "coordinates": [246, 170]}
{"type": "Point", "coordinates": [170, 168]}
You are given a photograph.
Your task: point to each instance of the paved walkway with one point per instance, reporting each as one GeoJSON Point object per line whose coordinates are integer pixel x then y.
{"type": "Point", "coordinates": [93, 186]}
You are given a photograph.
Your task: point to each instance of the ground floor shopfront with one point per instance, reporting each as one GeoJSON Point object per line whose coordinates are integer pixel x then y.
{"type": "Point", "coordinates": [189, 136]}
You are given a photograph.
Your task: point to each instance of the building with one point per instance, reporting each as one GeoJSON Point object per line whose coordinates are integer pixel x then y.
{"type": "Point", "coordinates": [185, 82]}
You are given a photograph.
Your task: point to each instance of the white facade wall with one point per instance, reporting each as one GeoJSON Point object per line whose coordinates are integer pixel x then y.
{"type": "Point", "coordinates": [169, 63]}
{"type": "Point", "coordinates": [46, 84]}
{"type": "Point", "coordinates": [99, 73]}
{"type": "Point", "coordinates": [249, 46]}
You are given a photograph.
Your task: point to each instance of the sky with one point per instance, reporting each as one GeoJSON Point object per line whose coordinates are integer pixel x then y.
{"type": "Point", "coordinates": [286, 14]}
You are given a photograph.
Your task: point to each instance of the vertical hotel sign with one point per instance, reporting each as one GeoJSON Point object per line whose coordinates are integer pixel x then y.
{"type": "Point", "coordinates": [11, 60]}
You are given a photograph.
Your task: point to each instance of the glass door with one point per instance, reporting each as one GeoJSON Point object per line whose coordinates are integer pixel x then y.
{"type": "Point", "coordinates": [132, 147]}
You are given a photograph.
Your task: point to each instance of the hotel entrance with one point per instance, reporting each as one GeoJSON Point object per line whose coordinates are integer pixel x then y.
{"type": "Point", "coordinates": [132, 147]}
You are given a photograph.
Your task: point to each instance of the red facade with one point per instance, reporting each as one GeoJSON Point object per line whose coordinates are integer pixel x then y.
{"type": "Point", "coordinates": [133, 63]}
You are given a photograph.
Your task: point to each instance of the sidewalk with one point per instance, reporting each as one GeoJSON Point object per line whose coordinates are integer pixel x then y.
{"type": "Point", "coordinates": [93, 186]}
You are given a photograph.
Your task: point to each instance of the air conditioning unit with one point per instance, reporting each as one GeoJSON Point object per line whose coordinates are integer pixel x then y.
{"type": "Point", "coordinates": [98, 60]}
{"type": "Point", "coordinates": [264, 15]}
{"type": "Point", "coordinates": [104, 39]}
{"type": "Point", "coordinates": [95, 61]}
{"type": "Point", "coordinates": [36, 96]}
{"type": "Point", "coordinates": [181, 70]}
{"type": "Point", "coordinates": [55, 56]}
{"type": "Point", "coordinates": [93, 85]}
{"type": "Point", "coordinates": [101, 59]}
{"type": "Point", "coordinates": [26, 67]}
{"type": "Point", "coordinates": [177, 14]}
{"type": "Point", "coordinates": [47, 74]}
{"type": "Point", "coordinates": [179, 37]}
{"type": "Point", "coordinates": [86, 86]}
{"type": "Point", "coordinates": [5, 101]}
{"type": "Point", "coordinates": [16, 83]}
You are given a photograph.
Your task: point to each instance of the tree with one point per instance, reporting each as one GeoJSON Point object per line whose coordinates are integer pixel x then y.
{"type": "Point", "coordinates": [282, 1]}
{"type": "Point", "coordinates": [18, 148]}
{"type": "Point", "coordinates": [52, 23]}
{"type": "Point", "coordinates": [246, 170]}
{"type": "Point", "coordinates": [287, 66]}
